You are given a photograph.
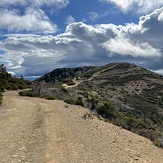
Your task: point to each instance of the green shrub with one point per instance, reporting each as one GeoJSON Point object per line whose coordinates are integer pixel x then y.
{"type": "Point", "coordinates": [134, 123]}
{"type": "Point", "coordinates": [157, 142]}
{"type": "Point", "coordinates": [93, 101]}
{"type": "Point", "coordinates": [69, 81]}
{"type": "Point", "coordinates": [84, 94]}
{"type": "Point", "coordinates": [87, 116]}
{"type": "Point", "coordinates": [106, 110]}
{"type": "Point", "coordinates": [11, 86]}
{"type": "Point", "coordinates": [1, 87]}
{"type": "Point", "coordinates": [22, 93]}
{"type": "Point", "coordinates": [42, 96]}
{"type": "Point", "coordinates": [49, 97]}
{"type": "Point", "coordinates": [1, 97]}
{"type": "Point", "coordinates": [69, 101]}
{"type": "Point", "coordinates": [21, 86]}
{"type": "Point", "coordinates": [29, 93]}
{"type": "Point", "coordinates": [79, 101]}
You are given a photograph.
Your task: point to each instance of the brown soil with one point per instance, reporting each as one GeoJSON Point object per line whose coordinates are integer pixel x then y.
{"type": "Point", "coordinates": [41, 131]}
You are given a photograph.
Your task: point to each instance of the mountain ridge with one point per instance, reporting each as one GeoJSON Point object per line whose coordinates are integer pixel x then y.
{"type": "Point", "coordinates": [124, 94]}
{"type": "Point", "coordinates": [59, 74]}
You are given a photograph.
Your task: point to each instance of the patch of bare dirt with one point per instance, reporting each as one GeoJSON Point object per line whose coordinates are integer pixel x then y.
{"type": "Point", "coordinates": [41, 131]}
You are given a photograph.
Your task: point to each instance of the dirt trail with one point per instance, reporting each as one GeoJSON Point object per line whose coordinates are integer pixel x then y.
{"type": "Point", "coordinates": [40, 131]}
{"type": "Point", "coordinates": [72, 86]}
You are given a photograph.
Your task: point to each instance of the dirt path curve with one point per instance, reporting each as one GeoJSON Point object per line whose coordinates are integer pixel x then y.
{"type": "Point", "coordinates": [72, 86]}
{"type": "Point", "coordinates": [40, 131]}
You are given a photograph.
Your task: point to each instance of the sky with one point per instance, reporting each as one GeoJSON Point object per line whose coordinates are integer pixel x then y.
{"type": "Point", "coordinates": [37, 36]}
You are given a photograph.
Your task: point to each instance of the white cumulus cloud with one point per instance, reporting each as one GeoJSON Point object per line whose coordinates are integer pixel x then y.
{"type": "Point", "coordinates": [123, 46]}
{"type": "Point", "coordinates": [29, 16]}
{"type": "Point", "coordinates": [139, 6]}
{"type": "Point", "coordinates": [69, 19]}
{"type": "Point", "coordinates": [31, 21]}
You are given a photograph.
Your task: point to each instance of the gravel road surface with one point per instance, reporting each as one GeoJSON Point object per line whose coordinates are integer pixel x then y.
{"type": "Point", "coordinates": [34, 130]}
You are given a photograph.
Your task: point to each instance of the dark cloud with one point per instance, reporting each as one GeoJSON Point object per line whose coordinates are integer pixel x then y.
{"type": "Point", "coordinates": [82, 44]}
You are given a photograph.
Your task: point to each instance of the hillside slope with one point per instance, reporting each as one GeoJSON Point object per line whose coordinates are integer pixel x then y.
{"type": "Point", "coordinates": [40, 131]}
{"type": "Point", "coordinates": [134, 94]}
{"type": "Point", "coordinates": [122, 93]}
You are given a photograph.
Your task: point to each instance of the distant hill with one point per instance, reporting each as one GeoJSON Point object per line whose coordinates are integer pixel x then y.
{"type": "Point", "coordinates": [122, 93]}
{"type": "Point", "coordinates": [60, 74]}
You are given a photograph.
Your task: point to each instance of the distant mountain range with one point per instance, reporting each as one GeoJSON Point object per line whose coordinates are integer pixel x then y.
{"type": "Point", "coordinates": [122, 93]}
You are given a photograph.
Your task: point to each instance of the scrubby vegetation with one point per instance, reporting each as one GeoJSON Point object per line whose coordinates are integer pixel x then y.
{"type": "Point", "coordinates": [72, 101]}
{"type": "Point", "coordinates": [11, 83]}
{"type": "Point", "coordinates": [49, 97]}
{"type": "Point", "coordinates": [121, 93]}
{"type": "Point", "coordinates": [28, 93]}
{"type": "Point", "coordinates": [1, 98]}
